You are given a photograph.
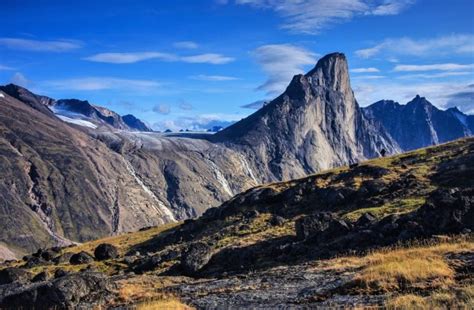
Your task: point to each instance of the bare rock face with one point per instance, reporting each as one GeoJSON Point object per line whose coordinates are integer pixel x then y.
{"type": "Point", "coordinates": [419, 123]}
{"type": "Point", "coordinates": [314, 125]}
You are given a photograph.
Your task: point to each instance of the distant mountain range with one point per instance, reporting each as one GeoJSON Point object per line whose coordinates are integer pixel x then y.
{"type": "Point", "coordinates": [419, 123]}
{"type": "Point", "coordinates": [72, 171]}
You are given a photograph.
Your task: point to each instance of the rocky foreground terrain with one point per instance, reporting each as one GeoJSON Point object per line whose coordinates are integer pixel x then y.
{"type": "Point", "coordinates": [394, 231]}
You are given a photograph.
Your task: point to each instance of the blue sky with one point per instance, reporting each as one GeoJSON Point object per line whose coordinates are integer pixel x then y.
{"type": "Point", "coordinates": [190, 64]}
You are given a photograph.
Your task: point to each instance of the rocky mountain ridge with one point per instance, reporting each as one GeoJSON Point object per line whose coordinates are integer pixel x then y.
{"type": "Point", "coordinates": [79, 112]}
{"type": "Point", "coordinates": [419, 123]}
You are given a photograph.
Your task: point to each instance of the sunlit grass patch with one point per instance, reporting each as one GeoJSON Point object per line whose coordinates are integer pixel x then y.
{"type": "Point", "coordinates": [397, 207]}
{"type": "Point", "coordinates": [420, 267]}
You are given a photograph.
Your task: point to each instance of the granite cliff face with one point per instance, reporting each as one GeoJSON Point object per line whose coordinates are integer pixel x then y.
{"type": "Point", "coordinates": [419, 123]}
{"type": "Point", "coordinates": [314, 125]}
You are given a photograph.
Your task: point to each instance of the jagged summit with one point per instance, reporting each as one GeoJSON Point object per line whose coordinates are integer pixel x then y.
{"type": "Point", "coordinates": [331, 71]}
{"type": "Point", "coordinates": [315, 124]}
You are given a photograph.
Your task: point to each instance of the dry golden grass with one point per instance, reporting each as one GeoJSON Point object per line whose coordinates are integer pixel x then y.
{"type": "Point", "coordinates": [148, 292]}
{"type": "Point", "coordinates": [165, 304]}
{"type": "Point", "coordinates": [407, 302]}
{"type": "Point", "coordinates": [455, 298]}
{"type": "Point", "coordinates": [420, 267]}
{"type": "Point", "coordinates": [123, 242]}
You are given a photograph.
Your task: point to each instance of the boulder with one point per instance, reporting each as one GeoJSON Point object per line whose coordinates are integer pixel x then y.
{"type": "Point", "coordinates": [321, 227]}
{"type": "Point", "coordinates": [81, 258]}
{"type": "Point", "coordinates": [34, 261]}
{"type": "Point", "coordinates": [41, 277]}
{"type": "Point", "coordinates": [68, 292]}
{"type": "Point", "coordinates": [13, 274]}
{"type": "Point", "coordinates": [277, 221]}
{"type": "Point", "coordinates": [105, 251]}
{"type": "Point", "coordinates": [63, 259]}
{"type": "Point", "coordinates": [60, 273]}
{"type": "Point", "coordinates": [195, 258]}
{"type": "Point", "coordinates": [142, 265]}
{"type": "Point", "coordinates": [366, 219]}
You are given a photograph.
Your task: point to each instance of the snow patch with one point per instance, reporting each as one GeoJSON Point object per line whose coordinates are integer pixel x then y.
{"type": "Point", "coordinates": [2, 95]}
{"type": "Point", "coordinates": [247, 168]}
{"type": "Point", "coordinates": [79, 122]}
{"type": "Point", "coordinates": [162, 209]}
{"type": "Point", "coordinates": [220, 177]}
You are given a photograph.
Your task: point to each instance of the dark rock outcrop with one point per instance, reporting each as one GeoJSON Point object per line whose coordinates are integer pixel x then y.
{"type": "Point", "coordinates": [105, 251]}
{"type": "Point", "coordinates": [68, 292]}
{"type": "Point", "coordinates": [81, 258]}
{"type": "Point", "coordinates": [13, 274]}
{"type": "Point", "coordinates": [195, 258]}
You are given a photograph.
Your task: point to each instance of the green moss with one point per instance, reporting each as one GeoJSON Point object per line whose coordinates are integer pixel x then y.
{"type": "Point", "coordinates": [396, 207]}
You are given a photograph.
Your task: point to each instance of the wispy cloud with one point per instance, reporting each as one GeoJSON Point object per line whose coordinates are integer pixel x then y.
{"type": "Point", "coordinates": [464, 99]}
{"type": "Point", "coordinates": [133, 57]}
{"type": "Point", "coordinates": [20, 80]}
{"type": "Point", "coordinates": [365, 70]}
{"type": "Point", "coordinates": [186, 45]}
{"type": "Point", "coordinates": [255, 105]}
{"type": "Point", "coordinates": [211, 58]}
{"type": "Point", "coordinates": [184, 105]}
{"type": "Point", "coordinates": [162, 109]}
{"type": "Point", "coordinates": [312, 16]}
{"type": "Point", "coordinates": [434, 75]}
{"type": "Point", "coordinates": [281, 62]}
{"type": "Point", "coordinates": [368, 77]}
{"type": "Point", "coordinates": [126, 58]}
{"type": "Point", "coordinates": [217, 78]}
{"type": "Point", "coordinates": [40, 46]}
{"type": "Point", "coordinates": [5, 68]}
{"type": "Point", "coordinates": [102, 83]}
{"type": "Point", "coordinates": [434, 67]}
{"type": "Point", "coordinates": [456, 43]}
{"type": "Point", "coordinates": [200, 122]}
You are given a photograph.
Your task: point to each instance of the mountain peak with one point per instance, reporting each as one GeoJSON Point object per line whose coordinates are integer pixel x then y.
{"type": "Point", "coordinates": [331, 71]}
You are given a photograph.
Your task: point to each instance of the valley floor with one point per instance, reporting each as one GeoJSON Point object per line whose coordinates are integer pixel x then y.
{"type": "Point", "coordinates": [433, 275]}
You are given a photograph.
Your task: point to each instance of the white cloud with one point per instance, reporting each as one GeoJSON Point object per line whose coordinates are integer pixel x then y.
{"type": "Point", "coordinates": [5, 68]}
{"type": "Point", "coordinates": [311, 16]}
{"type": "Point", "coordinates": [434, 75]}
{"type": "Point", "coordinates": [133, 57]}
{"type": "Point", "coordinates": [456, 43]}
{"type": "Point", "coordinates": [433, 67]}
{"type": "Point", "coordinates": [365, 70]}
{"type": "Point", "coordinates": [200, 122]}
{"type": "Point", "coordinates": [186, 45]}
{"type": "Point", "coordinates": [218, 78]}
{"type": "Point", "coordinates": [40, 46]}
{"type": "Point", "coordinates": [281, 62]}
{"type": "Point", "coordinates": [101, 83]}
{"type": "Point", "coordinates": [20, 80]}
{"type": "Point", "coordinates": [184, 105]}
{"type": "Point", "coordinates": [368, 77]}
{"type": "Point", "coordinates": [162, 109]}
{"type": "Point", "coordinates": [126, 58]}
{"type": "Point", "coordinates": [256, 104]}
{"type": "Point", "coordinates": [211, 58]}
